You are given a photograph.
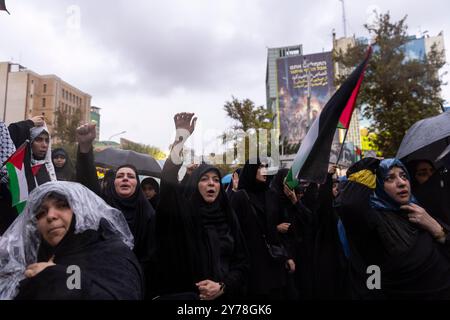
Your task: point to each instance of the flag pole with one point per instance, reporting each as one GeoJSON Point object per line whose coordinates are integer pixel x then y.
{"type": "Point", "coordinates": [342, 147]}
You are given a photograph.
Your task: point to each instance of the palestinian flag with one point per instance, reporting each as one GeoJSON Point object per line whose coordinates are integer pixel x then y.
{"type": "Point", "coordinates": [3, 6]}
{"type": "Point", "coordinates": [311, 161]}
{"type": "Point", "coordinates": [346, 116]}
{"type": "Point", "coordinates": [18, 185]}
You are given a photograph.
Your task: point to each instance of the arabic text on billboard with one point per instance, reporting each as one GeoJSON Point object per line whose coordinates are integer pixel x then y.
{"type": "Point", "coordinates": [297, 74]}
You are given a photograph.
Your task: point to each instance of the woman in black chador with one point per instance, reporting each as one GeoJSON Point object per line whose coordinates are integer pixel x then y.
{"type": "Point", "coordinates": [431, 187]}
{"type": "Point", "coordinates": [123, 193]}
{"type": "Point", "coordinates": [388, 230]}
{"type": "Point", "coordinates": [63, 166]}
{"type": "Point", "coordinates": [68, 244]}
{"type": "Point", "coordinates": [150, 187]}
{"type": "Point", "coordinates": [258, 211]}
{"type": "Point", "coordinates": [296, 230]}
{"type": "Point", "coordinates": [200, 248]}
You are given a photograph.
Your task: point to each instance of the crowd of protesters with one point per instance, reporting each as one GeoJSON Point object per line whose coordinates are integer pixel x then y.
{"type": "Point", "coordinates": [195, 238]}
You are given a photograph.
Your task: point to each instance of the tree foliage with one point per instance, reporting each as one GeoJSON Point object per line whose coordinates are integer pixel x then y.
{"type": "Point", "coordinates": [142, 148]}
{"type": "Point", "coordinates": [64, 131]}
{"type": "Point", "coordinates": [247, 118]}
{"type": "Point", "coordinates": [398, 90]}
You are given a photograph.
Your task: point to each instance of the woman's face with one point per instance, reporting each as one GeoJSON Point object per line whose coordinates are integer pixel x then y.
{"type": "Point", "coordinates": [335, 189]}
{"type": "Point", "coordinates": [125, 182]}
{"type": "Point", "coordinates": [53, 221]}
{"type": "Point", "coordinates": [397, 186]}
{"type": "Point", "coordinates": [59, 161]}
{"type": "Point", "coordinates": [261, 174]}
{"type": "Point", "coordinates": [149, 191]}
{"type": "Point", "coordinates": [209, 186]}
{"type": "Point", "coordinates": [424, 171]}
{"type": "Point", "coordinates": [39, 146]}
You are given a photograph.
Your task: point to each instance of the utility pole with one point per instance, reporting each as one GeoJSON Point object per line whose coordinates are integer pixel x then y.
{"type": "Point", "coordinates": [344, 19]}
{"type": "Point", "coordinates": [117, 134]}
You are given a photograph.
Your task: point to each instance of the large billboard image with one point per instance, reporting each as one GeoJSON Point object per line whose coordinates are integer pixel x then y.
{"type": "Point", "coordinates": [295, 76]}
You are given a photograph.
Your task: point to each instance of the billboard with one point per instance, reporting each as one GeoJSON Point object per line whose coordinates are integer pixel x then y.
{"type": "Point", "coordinates": [296, 76]}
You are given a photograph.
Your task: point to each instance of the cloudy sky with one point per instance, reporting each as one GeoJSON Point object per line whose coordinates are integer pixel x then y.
{"type": "Point", "coordinates": [144, 61]}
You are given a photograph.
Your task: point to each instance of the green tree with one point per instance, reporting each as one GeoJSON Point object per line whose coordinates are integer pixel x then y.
{"type": "Point", "coordinates": [247, 118]}
{"type": "Point", "coordinates": [142, 148]}
{"type": "Point", "coordinates": [65, 132]}
{"type": "Point", "coordinates": [397, 90]}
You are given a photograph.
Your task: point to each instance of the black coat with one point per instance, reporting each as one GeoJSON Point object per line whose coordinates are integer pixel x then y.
{"type": "Point", "coordinates": [138, 212]}
{"type": "Point", "coordinates": [191, 249]}
{"type": "Point", "coordinates": [300, 236]}
{"type": "Point", "coordinates": [266, 274]}
{"type": "Point", "coordinates": [422, 271]}
{"type": "Point", "coordinates": [108, 269]}
{"type": "Point", "coordinates": [66, 172]}
{"type": "Point", "coordinates": [331, 277]}
{"type": "Point", "coordinates": [434, 195]}
{"type": "Point", "coordinates": [258, 211]}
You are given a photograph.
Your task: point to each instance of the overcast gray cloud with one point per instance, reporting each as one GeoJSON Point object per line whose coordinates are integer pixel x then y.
{"type": "Point", "coordinates": [143, 61]}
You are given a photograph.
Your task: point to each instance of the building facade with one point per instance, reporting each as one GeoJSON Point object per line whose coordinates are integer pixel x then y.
{"type": "Point", "coordinates": [25, 94]}
{"type": "Point", "coordinates": [297, 88]}
{"type": "Point", "coordinates": [273, 54]}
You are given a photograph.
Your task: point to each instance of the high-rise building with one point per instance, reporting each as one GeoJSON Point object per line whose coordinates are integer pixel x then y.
{"type": "Point", "coordinates": [271, 72]}
{"type": "Point", "coordinates": [24, 94]}
{"type": "Point", "coordinates": [297, 87]}
{"type": "Point", "coordinates": [95, 116]}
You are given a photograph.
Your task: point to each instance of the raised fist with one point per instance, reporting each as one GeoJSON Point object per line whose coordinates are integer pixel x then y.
{"type": "Point", "coordinates": [85, 136]}
{"type": "Point", "coordinates": [184, 121]}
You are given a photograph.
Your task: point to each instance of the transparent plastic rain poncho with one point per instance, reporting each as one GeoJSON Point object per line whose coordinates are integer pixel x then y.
{"type": "Point", "coordinates": [20, 243]}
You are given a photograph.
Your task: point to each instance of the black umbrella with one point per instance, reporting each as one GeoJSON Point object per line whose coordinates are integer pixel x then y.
{"type": "Point", "coordinates": [114, 158]}
{"type": "Point", "coordinates": [426, 139]}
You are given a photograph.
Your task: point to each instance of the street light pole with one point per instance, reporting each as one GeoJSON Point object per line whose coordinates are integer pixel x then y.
{"type": "Point", "coordinates": [116, 135]}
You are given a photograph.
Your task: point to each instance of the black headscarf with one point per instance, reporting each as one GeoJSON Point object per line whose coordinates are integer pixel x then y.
{"type": "Point", "coordinates": [216, 219]}
{"type": "Point", "coordinates": [247, 178]}
{"type": "Point", "coordinates": [66, 172]}
{"type": "Point", "coordinates": [433, 194]}
{"type": "Point", "coordinates": [209, 211]}
{"type": "Point", "coordinates": [137, 211]}
{"type": "Point", "coordinates": [155, 185]}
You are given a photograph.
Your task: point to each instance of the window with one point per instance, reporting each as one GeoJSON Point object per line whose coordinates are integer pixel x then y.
{"type": "Point", "coordinates": [45, 87]}
{"type": "Point", "coordinates": [43, 102]}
